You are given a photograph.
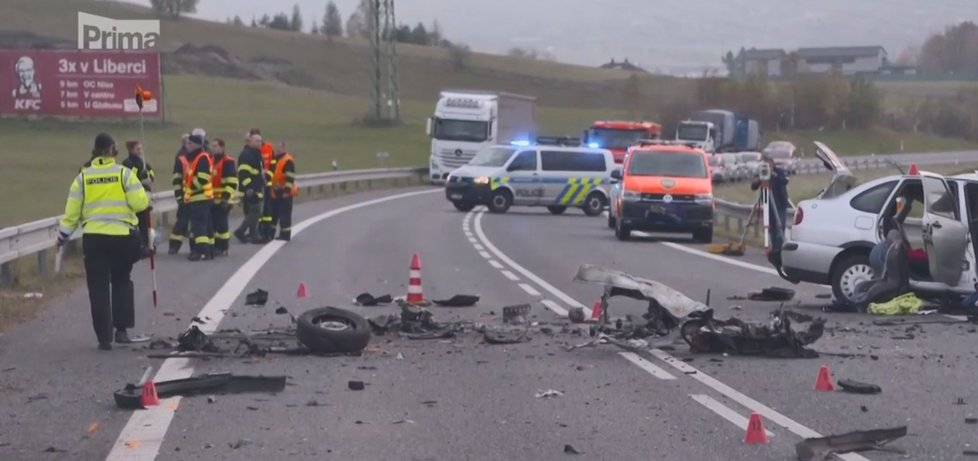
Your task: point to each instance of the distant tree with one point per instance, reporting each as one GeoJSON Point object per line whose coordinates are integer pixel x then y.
{"type": "Point", "coordinates": [730, 62]}
{"type": "Point", "coordinates": [295, 23]}
{"type": "Point", "coordinates": [403, 34]}
{"type": "Point", "coordinates": [314, 30]}
{"type": "Point", "coordinates": [955, 52]}
{"type": "Point", "coordinates": [909, 56]}
{"type": "Point", "coordinates": [359, 23]}
{"type": "Point", "coordinates": [253, 22]}
{"type": "Point", "coordinates": [174, 8]}
{"type": "Point", "coordinates": [435, 35]}
{"type": "Point", "coordinates": [237, 21]}
{"type": "Point", "coordinates": [265, 20]}
{"type": "Point", "coordinates": [332, 21]}
{"type": "Point", "coordinates": [460, 55]}
{"type": "Point", "coordinates": [280, 22]}
{"type": "Point", "coordinates": [865, 104]}
{"type": "Point", "coordinates": [419, 35]}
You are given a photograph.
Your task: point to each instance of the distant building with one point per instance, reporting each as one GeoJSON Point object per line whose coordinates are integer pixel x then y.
{"type": "Point", "coordinates": [623, 65]}
{"type": "Point", "coordinates": [848, 60]}
{"type": "Point", "coordinates": [763, 62]}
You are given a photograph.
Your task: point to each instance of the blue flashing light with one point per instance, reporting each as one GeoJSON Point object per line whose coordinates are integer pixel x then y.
{"type": "Point", "coordinates": [522, 143]}
{"type": "Point", "coordinates": [593, 145]}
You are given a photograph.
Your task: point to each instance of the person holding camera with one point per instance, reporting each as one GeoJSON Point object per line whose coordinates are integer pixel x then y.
{"type": "Point", "coordinates": [777, 183]}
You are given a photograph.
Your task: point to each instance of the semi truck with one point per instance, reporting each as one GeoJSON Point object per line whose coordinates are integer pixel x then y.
{"type": "Point", "coordinates": [718, 130]}
{"type": "Point", "coordinates": [466, 121]}
{"type": "Point", "coordinates": [618, 136]}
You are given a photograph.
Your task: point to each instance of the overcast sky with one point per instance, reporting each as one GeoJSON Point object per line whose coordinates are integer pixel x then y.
{"type": "Point", "coordinates": [655, 33]}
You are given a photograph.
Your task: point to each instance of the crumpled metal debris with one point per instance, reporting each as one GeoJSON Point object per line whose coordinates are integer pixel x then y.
{"type": "Point", "coordinates": [548, 394]}
{"type": "Point", "coordinates": [457, 301]}
{"type": "Point", "coordinates": [414, 322]}
{"type": "Point", "coordinates": [517, 314]}
{"type": "Point", "coordinates": [856, 387]}
{"type": "Point", "coordinates": [621, 284]}
{"type": "Point", "coordinates": [256, 298]}
{"type": "Point", "coordinates": [503, 335]}
{"type": "Point", "coordinates": [822, 447]}
{"type": "Point", "coordinates": [195, 340]}
{"type": "Point", "coordinates": [367, 299]}
{"type": "Point", "coordinates": [224, 383]}
{"type": "Point", "coordinates": [776, 338]}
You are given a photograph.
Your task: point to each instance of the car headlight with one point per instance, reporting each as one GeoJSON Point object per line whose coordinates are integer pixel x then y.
{"type": "Point", "coordinates": [703, 198]}
{"type": "Point", "coordinates": [629, 195]}
{"type": "Point", "coordinates": [481, 180]}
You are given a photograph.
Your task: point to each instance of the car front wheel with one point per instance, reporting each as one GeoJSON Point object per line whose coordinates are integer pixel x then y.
{"type": "Point", "coordinates": [848, 274]}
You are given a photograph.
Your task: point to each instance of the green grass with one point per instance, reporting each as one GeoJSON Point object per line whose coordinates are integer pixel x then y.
{"type": "Point", "coordinates": [872, 141]}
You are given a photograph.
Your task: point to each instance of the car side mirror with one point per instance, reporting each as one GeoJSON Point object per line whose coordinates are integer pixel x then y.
{"type": "Point", "coordinates": [616, 174]}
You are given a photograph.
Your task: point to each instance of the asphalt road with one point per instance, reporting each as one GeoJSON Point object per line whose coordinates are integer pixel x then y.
{"type": "Point", "coordinates": [462, 398]}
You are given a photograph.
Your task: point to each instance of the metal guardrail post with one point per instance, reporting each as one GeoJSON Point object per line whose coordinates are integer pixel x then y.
{"type": "Point", "coordinates": [6, 275]}
{"type": "Point", "coordinates": [42, 262]}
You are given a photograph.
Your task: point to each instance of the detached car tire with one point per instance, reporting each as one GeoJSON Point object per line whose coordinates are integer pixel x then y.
{"type": "Point", "coordinates": [464, 206]}
{"type": "Point", "coordinates": [330, 330]}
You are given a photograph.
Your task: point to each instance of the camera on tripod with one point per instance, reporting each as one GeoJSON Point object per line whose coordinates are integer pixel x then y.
{"type": "Point", "coordinates": [764, 172]}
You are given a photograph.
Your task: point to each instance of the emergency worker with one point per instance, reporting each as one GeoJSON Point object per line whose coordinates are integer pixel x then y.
{"type": "Point", "coordinates": [224, 180]}
{"type": "Point", "coordinates": [251, 181]}
{"type": "Point", "coordinates": [181, 224]}
{"type": "Point", "coordinates": [146, 175]}
{"type": "Point", "coordinates": [267, 154]}
{"type": "Point", "coordinates": [198, 198]}
{"type": "Point", "coordinates": [283, 190]}
{"type": "Point", "coordinates": [103, 200]}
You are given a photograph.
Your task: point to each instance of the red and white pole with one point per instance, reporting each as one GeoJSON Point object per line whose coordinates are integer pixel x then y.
{"type": "Point", "coordinates": [414, 293]}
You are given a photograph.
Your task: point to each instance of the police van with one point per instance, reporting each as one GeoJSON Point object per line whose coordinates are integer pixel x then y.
{"type": "Point", "coordinates": [554, 172]}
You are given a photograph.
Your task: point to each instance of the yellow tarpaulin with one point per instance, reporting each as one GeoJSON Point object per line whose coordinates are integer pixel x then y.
{"type": "Point", "coordinates": [901, 305]}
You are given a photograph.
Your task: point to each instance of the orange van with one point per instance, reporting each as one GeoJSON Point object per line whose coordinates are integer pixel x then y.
{"type": "Point", "coordinates": [663, 187]}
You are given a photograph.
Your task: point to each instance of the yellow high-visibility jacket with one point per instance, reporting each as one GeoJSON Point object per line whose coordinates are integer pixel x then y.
{"type": "Point", "coordinates": [104, 199]}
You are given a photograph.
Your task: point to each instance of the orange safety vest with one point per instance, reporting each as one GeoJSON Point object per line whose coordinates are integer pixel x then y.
{"type": "Point", "coordinates": [189, 171]}
{"type": "Point", "coordinates": [278, 179]}
{"type": "Point", "coordinates": [217, 172]}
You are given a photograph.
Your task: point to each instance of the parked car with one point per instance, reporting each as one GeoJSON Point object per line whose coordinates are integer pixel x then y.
{"type": "Point", "coordinates": [833, 233]}
{"type": "Point", "coordinates": [751, 161]}
{"type": "Point", "coordinates": [783, 154]}
{"type": "Point", "coordinates": [733, 168]}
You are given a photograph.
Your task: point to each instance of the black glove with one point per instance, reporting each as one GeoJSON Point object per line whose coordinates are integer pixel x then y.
{"type": "Point", "coordinates": [63, 239]}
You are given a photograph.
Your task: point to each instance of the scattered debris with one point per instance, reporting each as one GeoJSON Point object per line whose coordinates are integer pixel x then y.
{"type": "Point", "coordinates": [772, 294]}
{"type": "Point", "coordinates": [198, 320]}
{"type": "Point", "coordinates": [576, 315]}
{"type": "Point", "coordinates": [367, 299]}
{"type": "Point", "coordinates": [907, 303]}
{"type": "Point", "coordinates": [570, 450]}
{"type": "Point", "coordinates": [863, 408]}
{"type": "Point", "coordinates": [53, 449]}
{"type": "Point", "coordinates": [516, 314]}
{"type": "Point", "coordinates": [970, 453]}
{"type": "Point", "coordinates": [33, 295]}
{"type": "Point", "coordinates": [498, 335]}
{"type": "Point", "coordinates": [226, 383]}
{"type": "Point", "coordinates": [211, 399]}
{"type": "Point", "coordinates": [34, 398]}
{"type": "Point", "coordinates": [355, 385]}
{"type": "Point", "coordinates": [403, 421]}
{"type": "Point", "coordinates": [821, 447]}
{"type": "Point", "coordinates": [414, 322]}
{"type": "Point", "coordinates": [823, 296]}
{"type": "Point", "coordinates": [903, 337]}
{"type": "Point", "coordinates": [256, 298]}
{"type": "Point", "coordinates": [160, 344]}
{"type": "Point", "coordinates": [549, 394]}
{"type": "Point", "coordinates": [776, 338]}
{"type": "Point", "coordinates": [457, 301]}
{"type": "Point", "coordinates": [240, 443]}
{"type": "Point", "coordinates": [971, 420]}
{"type": "Point", "coordinates": [195, 340]}
{"type": "Point", "coordinates": [960, 401]}
{"type": "Point", "coordinates": [312, 403]}
{"type": "Point", "coordinates": [856, 387]}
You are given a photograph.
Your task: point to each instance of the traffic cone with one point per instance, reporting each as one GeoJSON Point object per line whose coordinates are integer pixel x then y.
{"type": "Point", "coordinates": [415, 294]}
{"type": "Point", "coordinates": [756, 434]}
{"type": "Point", "coordinates": [824, 380]}
{"type": "Point", "coordinates": [149, 398]}
{"type": "Point", "coordinates": [596, 310]}
{"type": "Point", "coordinates": [301, 292]}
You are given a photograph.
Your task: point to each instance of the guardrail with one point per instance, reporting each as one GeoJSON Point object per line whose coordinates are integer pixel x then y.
{"type": "Point", "coordinates": [38, 237]}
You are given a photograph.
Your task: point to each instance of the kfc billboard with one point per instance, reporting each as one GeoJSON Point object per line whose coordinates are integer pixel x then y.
{"type": "Point", "coordinates": [82, 83]}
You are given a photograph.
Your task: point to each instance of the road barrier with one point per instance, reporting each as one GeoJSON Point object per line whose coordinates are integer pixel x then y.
{"type": "Point", "coordinates": [39, 237]}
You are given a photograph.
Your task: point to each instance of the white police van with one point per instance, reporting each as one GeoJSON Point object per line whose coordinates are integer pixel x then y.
{"type": "Point", "coordinates": [555, 172]}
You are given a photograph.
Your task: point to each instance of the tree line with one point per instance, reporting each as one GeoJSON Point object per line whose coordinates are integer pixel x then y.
{"type": "Point", "coordinates": [953, 52]}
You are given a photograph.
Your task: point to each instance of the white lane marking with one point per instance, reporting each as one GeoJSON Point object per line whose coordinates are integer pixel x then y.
{"type": "Point", "coordinates": [522, 270]}
{"type": "Point", "coordinates": [529, 289]}
{"type": "Point", "coordinates": [735, 395]}
{"type": "Point", "coordinates": [473, 241]}
{"type": "Point", "coordinates": [510, 275]}
{"type": "Point", "coordinates": [554, 307]}
{"type": "Point", "coordinates": [485, 255]}
{"type": "Point", "coordinates": [496, 264]}
{"type": "Point", "coordinates": [709, 381]}
{"type": "Point", "coordinates": [724, 411]}
{"type": "Point", "coordinates": [723, 259]}
{"type": "Point", "coordinates": [651, 368]}
{"type": "Point", "coordinates": [143, 434]}
{"type": "Point", "coordinates": [478, 247]}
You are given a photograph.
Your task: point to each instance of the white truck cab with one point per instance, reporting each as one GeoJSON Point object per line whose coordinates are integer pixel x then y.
{"type": "Point", "coordinates": [702, 134]}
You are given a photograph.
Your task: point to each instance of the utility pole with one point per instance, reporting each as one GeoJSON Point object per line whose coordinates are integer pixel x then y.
{"type": "Point", "coordinates": [385, 106]}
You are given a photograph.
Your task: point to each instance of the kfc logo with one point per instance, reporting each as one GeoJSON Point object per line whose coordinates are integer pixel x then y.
{"type": "Point", "coordinates": [27, 94]}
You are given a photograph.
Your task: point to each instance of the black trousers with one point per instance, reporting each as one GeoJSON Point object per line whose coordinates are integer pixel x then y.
{"type": "Point", "coordinates": [252, 214]}
{"type": "Point", "coordinates": [144, 217]}
{"type": "Point", "coordinates": [180, 227]}
{"type": "Point", "coordinates": [265, 227]}
{"type": "Point", "coordinates": [282, 216]}
{"type": "Point", "coordinates": [219, 223]}
{"type": "Point", "coordinates": [108, 265]}
{"type": "Point", "coordinates": [199, 217]}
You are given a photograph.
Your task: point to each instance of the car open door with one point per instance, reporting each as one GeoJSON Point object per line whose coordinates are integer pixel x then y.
{"type": "Point", "coordinates": [945, 236]}
{"type": "Point", "coordinates": [842, 179]}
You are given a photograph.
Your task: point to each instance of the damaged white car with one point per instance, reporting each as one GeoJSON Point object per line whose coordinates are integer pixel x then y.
{"type": "Point", "coordinates": [832, 234]}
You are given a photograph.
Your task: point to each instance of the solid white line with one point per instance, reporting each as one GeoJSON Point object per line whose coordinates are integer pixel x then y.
{"type": "Point", "coordinates": [142, 436]}
{"type": "Point", "coordinates": [511, 276]}
{"type": "Point", "coordinates": [723, 259]}
{"type": "Point", "coordinates": [496, 264]}
{"type": "Point", "coordinates": [485, 255]}
{"type": "Point", "coordinates": [724, 411]}
{"type": "Point", "coordinates": [554, 307]}
{"type": "Point", "coordinates": [529, 275]}
{"type": "Point", "coordinates": [530, 290]}
{"type": "Point", "coordinates": [478, 247]}
{"type": "Point", "coordinates": [647, 366]}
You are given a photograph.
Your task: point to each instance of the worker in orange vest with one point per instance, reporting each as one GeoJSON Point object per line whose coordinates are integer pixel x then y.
{"type": "Point", "coordinates": [265, 223]}
{"type": "Point", "coordinates": [182, 224]}
{"type": "Point", "coordinates": [283, 190]}
{"type": "Point", "coordinates": [224, 180]}
{"type": "Point", "coordinates": [198, 198]}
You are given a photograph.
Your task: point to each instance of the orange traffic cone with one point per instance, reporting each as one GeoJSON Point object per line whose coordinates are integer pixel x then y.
{"type": "Point", "coordinates": [596, 310]}
{"type": "Point", "coordinates": [415, 294]}
{"type": "Point", "coordinates": [149, 398]}
{"type": "Point", "coordinates": [824, 380]}
{"type": "Point", "coordinates": [301, 291]}
{"type": "Point", "coordinates": [756, 434]}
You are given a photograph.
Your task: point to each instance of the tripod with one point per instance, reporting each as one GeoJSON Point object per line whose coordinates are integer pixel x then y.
{"type": "Point", "coordinates": [760, 213]}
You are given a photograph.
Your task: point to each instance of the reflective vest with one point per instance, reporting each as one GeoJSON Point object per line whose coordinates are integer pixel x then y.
{"type": "Point", "coordinates": [191, 193]}
{"type": "Point", "coordinates": [280, 180]}
{"type": "Point", "coordinates": [217, 178]}
{"type": "Point", "coordinates": [104, 199]}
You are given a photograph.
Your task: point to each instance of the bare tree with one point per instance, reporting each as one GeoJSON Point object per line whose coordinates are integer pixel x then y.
{"type": "Point", "coordinates": [359, 23]}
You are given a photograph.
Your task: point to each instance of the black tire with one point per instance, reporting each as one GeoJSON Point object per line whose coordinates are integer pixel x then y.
{"type": "Point", "coordinates": [841, 274]}
{"type": "Point", "coordinates": [593, 204]}
{"type": "Point", "coordinates": [556, 209]}
{"type": "Point", "coordinates": [347, 332]}
{"type": "Point", "coordinates": [704, 235]}
{"type": "Point", "coordinates": [463, 206]}
{"type": "Point", "coordinates": [622, 232]}
{"type": "Point", "coordinates": [611, 220]}
{"type": "Point", "coordinates": [501, 201]}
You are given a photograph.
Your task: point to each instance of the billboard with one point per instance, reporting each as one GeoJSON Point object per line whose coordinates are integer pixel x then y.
{"type": "Point", "coordinates": [78, 83]}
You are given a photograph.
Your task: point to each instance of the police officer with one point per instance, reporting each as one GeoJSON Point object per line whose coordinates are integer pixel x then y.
{"type": "Point", "coordinates": [182, 223]}
{"type": "Point", "coordinates": [251, 181]}
{"type": "Point", "coordinates": [103, 200]}
{"type": "Point", "coordinates": [224, 179]}
{"type": "Point", "coordinates": [146, 175]}
{"type": "Point", "coordinates": [283, 190]}
{"type": "Point", "coordinates": [198, 198]}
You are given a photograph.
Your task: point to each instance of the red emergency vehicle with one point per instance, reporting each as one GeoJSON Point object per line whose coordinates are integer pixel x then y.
{"type": "Point", "coordinates": [618, 136]}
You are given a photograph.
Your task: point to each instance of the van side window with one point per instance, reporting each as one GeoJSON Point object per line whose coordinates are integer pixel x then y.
{"type": "Point", "coordinates": [524, 161]}
{"type": "Point", "coordinates": [872, 200]}
{"type": "Point", "coordinates": [572, 161]}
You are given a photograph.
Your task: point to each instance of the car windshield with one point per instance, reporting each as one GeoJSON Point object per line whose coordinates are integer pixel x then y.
{"type": "Point", "coordinates": [692, 132]}
{"type": "Point", "coordinates": [607, 138]}
{"type": "Point", "coordinates": [492, 156]}
{"type": "Point", "coordinates": [670, 164]}
{"type": "Point", "coordinates": [460, 130]}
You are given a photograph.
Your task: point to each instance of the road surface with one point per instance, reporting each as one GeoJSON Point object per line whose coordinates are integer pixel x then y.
{"type": "Point", "coordinates": [461, 398]}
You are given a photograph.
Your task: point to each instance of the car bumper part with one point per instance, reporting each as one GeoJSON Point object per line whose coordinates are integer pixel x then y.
{"type": "Point", "coordinates": [468, 193]}
{"type": "Point", "coordinates": [667, 217]}
{"type": "Point", "coordinates": [808, 262]}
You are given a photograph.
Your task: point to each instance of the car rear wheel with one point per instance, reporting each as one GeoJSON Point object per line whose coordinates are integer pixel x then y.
{"type": "Point", "coordinates": [464, 206]}
{"type": "Point", "coordinates": [848, 274]}
{"type": "Point", "coordinates": [556, 209]}
{"type": "Point", "coordinates": [501, 201]}
{"type": "Point", "coordinates": [593, 204]}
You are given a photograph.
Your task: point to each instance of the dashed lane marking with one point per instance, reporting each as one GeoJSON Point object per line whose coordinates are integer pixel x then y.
{"type": "Point", "coordinates": [651, 368]}
{"type": "Point", "coordinates": [496, 264]}
{"type": "Point", "coordinates": [724, 411]}
{"type": "Point", "coordinates": [485, 255]}
{"type": "Point", "coordinates": [529, 290]}
{"type": "Point", "coordinates": [511, 276]}
{"type": "Point", "coordinates": [554, 307]}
